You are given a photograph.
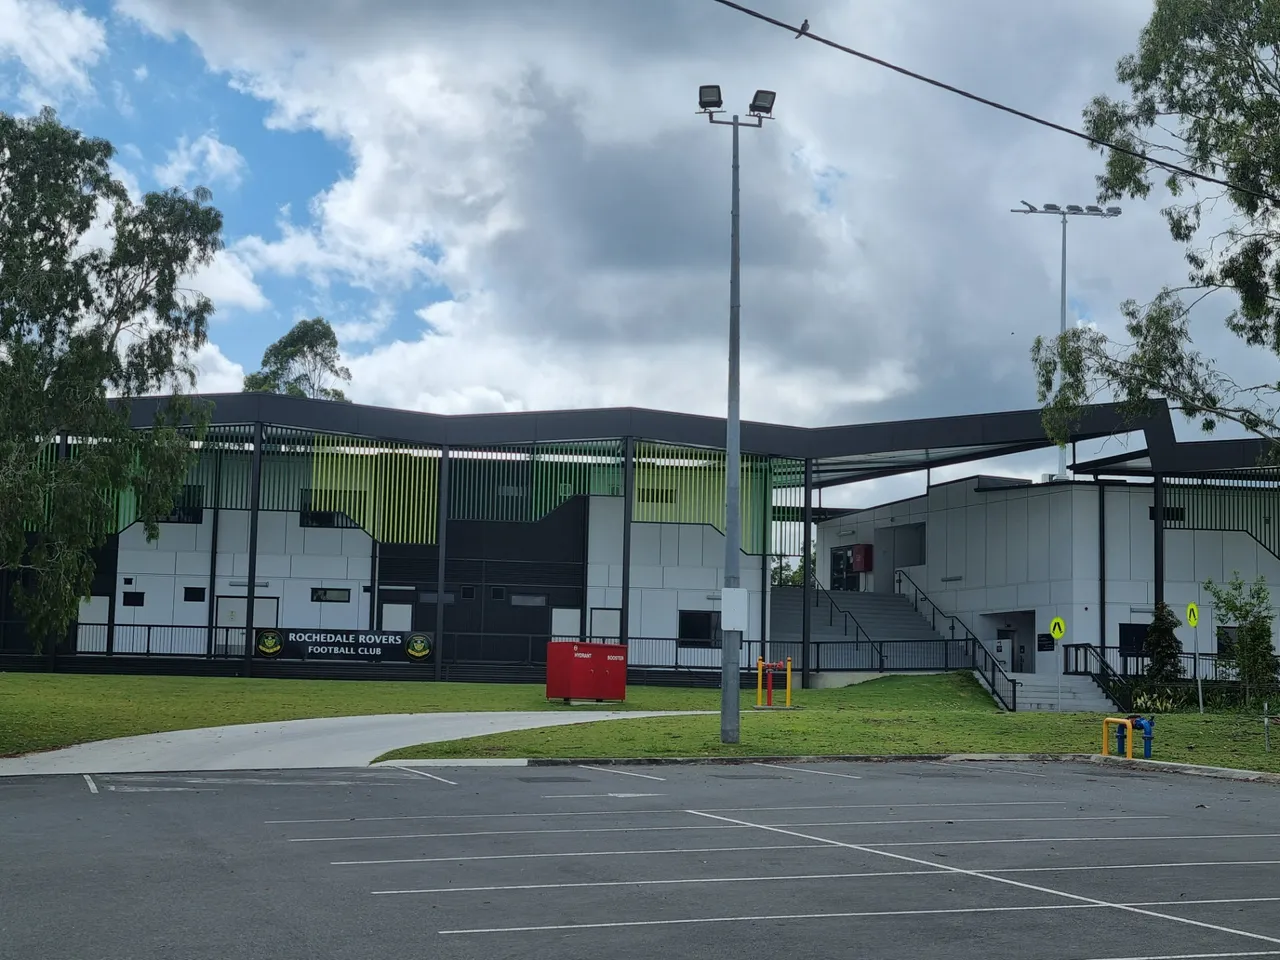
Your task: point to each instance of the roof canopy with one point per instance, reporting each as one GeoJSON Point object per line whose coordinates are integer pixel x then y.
{"type": "Point", "coordinates": [840, 454]}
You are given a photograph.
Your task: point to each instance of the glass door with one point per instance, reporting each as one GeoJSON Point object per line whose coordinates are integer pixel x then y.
{"type": "Point", "coordinates": [843, 576]}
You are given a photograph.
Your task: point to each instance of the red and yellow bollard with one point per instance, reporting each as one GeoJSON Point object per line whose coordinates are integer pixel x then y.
{"type": "Point", "coordinates": [764, 682]}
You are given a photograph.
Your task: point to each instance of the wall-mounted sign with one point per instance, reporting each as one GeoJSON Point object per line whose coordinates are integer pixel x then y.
{"type": "Point", "coordinates": [1044, 642]}
{"type": "Point", "coordinates": [1058, 628]}
{"type": "Point", "coordinates": [311, 643]}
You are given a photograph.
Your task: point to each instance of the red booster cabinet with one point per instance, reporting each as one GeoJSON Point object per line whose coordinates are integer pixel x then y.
{"type": "Point", "coordinates": [586, 671]}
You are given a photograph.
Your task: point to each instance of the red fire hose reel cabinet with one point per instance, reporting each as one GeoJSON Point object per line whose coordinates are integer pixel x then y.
{"type": "Point", "coordinates": [586, 671]}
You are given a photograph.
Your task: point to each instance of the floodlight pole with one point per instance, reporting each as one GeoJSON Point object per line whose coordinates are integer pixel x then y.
{"type": "Point", "coordinates": [1063, 212]}
{"type": "Point", "coordinates": [731, 642]}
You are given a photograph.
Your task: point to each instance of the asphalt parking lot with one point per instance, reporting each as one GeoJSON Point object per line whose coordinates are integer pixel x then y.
{"type": "Point", "coordinates": [897, 860]}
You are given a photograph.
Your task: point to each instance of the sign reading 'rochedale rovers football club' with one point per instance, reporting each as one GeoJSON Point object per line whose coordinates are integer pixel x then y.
{"type": "Point", "coordinates": [311, 643]}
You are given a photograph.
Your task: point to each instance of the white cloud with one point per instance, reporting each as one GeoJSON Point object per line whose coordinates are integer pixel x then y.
{"type": "Point", "coordinates": [228, 282]}
{"type": "Point", "coordinates": [203, 161]}
{"type": "Point", "coordinates": [54, 46]}
{"type": "Point", "coordinates": [215, 373]}
{"type": "Point", "coordinates": [123, 102]}
{"type": "Point", "coordinates": [140, 72]}
{"type": "Point", "coordinates": [542, 163]}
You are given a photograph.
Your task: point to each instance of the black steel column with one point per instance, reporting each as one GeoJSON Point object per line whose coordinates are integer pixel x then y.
{"type": "Point", "coordinates": [628, 507]}
{"type": "Point", "coordinates": [255, 491]}
{"type": "Point", "coordinates": [213, 550]}
{"type": "Point", "coordinates": [64, 454]}
{"type": "Point", "coordinates": [806, 565]}
{"type": "Point", "coordinates": [1158, 513]}
{"type": "Point", "coordinates": [442, 530]}
{"type": "Point", "coordinates": [1102, 567]}
{"type": "Point", "coordinates": [373, 584]}
{"type": "Point", "coordinates": [111, 604]}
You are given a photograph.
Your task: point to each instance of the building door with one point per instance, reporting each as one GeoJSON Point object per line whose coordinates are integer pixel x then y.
{"type": "Point", "coordinates": [843, 576]}
{"type": "Point", "coordinates": [229, 617]}
{"type": "Point", "coordinates": [1024, 654]}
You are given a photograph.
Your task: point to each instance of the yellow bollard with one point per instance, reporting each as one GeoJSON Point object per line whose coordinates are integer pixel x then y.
{"type": "Point", "coordinates": [759, 681]}
{"type": "Point", "coordinates": [1128, 740]}
{"type": "Point", "coordinates": [788, 681]}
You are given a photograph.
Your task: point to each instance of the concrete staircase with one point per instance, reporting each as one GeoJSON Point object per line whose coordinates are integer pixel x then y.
{"type": "Point", "coordinates": [1079, 694]}
{"type": "Point", "coordinates": [884, 616]}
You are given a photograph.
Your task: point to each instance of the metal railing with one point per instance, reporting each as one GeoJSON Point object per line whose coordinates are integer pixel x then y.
{"type": "Point", "coordinates": [160, 640]}
{"type": "Point", "coordinates": [1003, 687]}
{"type": "Point", "coordinates": [1084, 659]}
{"type": "Point", "coordinates": [846, 618]}
{"type": "Point", "coordinates": [1206, 666]}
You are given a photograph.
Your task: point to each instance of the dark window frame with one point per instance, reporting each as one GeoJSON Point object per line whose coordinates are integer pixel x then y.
{"type": "Point", "coordinates": [193, 594]}
{"type": "Point", "coordinates": [133, 598]}
{"type": "Point", "coordinates": [188, 506]}
{"type": "Point", "coordinates": [699, 629]}
{"type": "Point", "coordinates": [325, 519]}
{"type": "Point", "coordinates": [321, 594]}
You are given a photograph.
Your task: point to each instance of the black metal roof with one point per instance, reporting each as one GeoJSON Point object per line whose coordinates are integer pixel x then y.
{"type": "Point", "coordinates": [841, 454]}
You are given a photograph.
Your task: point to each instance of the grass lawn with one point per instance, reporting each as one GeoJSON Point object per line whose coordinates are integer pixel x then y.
{"type": "Point", "coordinates": [42, 711]}
{"type": "Point", "coordinates": [892, 715]}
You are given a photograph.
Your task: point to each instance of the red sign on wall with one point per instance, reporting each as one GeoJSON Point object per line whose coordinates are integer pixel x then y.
{"type": "Point", "coordinates": [861, 558]}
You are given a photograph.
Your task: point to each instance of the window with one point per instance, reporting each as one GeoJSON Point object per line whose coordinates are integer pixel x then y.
{"type": "Point", "coordinates": [528, 600]}
{"type": "Point", "coordinates": [468, 592]}
{"type": "Point", "coordinates": [1227, 642]}
{"type": "Point", "coordinates": [1132, 638]}
{"type": "Point", "coordinates": [188, 506]}
{"type": "Point", "coordinates": [132, 598]}
{"type": "Point", "coordinates": [497, 593]}
{"type": "Point", "coordinates": [330, 595]}
{"type": "Point", "coordinates": [308, 517]}
{"type": "Point", "coordinates": [193, 594]}
{"type": "Point", "coordinates": [1171, 514]}
{"type": "Point", "coordinates": [699, 628]}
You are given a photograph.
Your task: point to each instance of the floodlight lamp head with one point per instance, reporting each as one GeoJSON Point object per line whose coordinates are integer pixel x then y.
{"type": "Point", "coordinates": [1052, 208]}
{"type": "Point", "coordinates": [1074, 208]}
{"type": "Point", "coordinates": [709, 97]}
{"type": "Point", "coordinates": [1113, 211]}
{"type": "Point", "coordinates": [762, 103]}
{"type": "Point", "coordinates": [1094, 209]}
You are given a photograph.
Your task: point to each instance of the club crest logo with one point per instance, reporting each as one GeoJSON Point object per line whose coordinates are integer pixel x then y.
{"type": "Point", "coordinates": [270, 643]}
{"type": "Point", "coordinates": [418, 646]}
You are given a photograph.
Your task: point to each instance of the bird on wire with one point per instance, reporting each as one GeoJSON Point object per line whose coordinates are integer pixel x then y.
{"type": "Point", "coordinates": [804, 28]}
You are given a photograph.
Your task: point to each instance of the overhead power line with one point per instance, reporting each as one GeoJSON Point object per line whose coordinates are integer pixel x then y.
{"type": "Point", "coordinates": [996, 105]}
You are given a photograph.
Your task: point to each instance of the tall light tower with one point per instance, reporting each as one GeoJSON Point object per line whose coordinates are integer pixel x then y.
{"type": "Point", "coordinates": [734, 608]}
{"type": "Point", "coordinates": [1070, 210]}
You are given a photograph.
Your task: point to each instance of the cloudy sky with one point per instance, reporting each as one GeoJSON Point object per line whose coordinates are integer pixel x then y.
{"type": "Point", "coordinates": [507, 205]}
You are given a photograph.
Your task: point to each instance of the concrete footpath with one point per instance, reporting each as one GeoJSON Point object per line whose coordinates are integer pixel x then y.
{"type": "Point", "coordinates": [329, 742]}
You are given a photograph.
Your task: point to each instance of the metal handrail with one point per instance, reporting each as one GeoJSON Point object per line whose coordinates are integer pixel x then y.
{"type": "Point", "coordinates": [1116, 687]}
{"type": "Point", "coordinates": [990, 667]}
{"type": "Point", "coordinates": [848, 617]}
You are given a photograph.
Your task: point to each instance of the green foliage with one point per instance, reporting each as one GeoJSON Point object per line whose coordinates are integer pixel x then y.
{"type": "Point", "coordinates": [302, 363]}
{"type": "Point", "coordinates": [1203, 93]}
{"type": "Point", "coordinates": [1162, 646]}
{"type": "Point", "coordinates": [784, 574]}
{"type": "Point", "coordinates": [89, 318]}
{"type": "Point", "coordinates": [1248, 608]}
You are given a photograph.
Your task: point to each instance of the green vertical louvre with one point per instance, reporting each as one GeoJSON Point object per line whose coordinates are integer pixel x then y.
{"type": "Point", "coordinates": [390, 490]}
{"type": "Point", "coordinates": [1247, 500]}
{"type": "Point", "coordinates": [686, 485]}
{"type": "Point", "coordinates": [525, 483]}
{"type": "Point", "coordinates": [787, 493]}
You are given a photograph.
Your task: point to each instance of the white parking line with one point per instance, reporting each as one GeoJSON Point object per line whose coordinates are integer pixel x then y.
{"type": "Point", "coordinates": [1134, 866]}
{"type": "Point", "coordinates": [600, 796]}
{"type": "Point", "coordinates": [588, 853]}
{"type": "Point", "coordinates": [864, 914]}
{"type": "Point", "coordinates": [658, 883]}
{"type": "Point", "coordinates": [429, 776]}
{"type": "Point", "coordinates": [821, 773]}
{"type": "Point", "coordinates": [93, 787]}
{"type": "Point", "coordinates": [1078, 898]}
{"type": "Point", "coordinates": [861, 823]}
{"type": "Point", "coordinates": [1197, 956]}
{"type": "Point", "coordinates": [956, 843]}
{"type": "Point", "coordinates": [779, 916]}
{"type": "Point", "coordinates": [621, 773]}
{"type": "Point", "coordinates": [669, 810]}
{"type": "Point", "coordinates": [507, 833]}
